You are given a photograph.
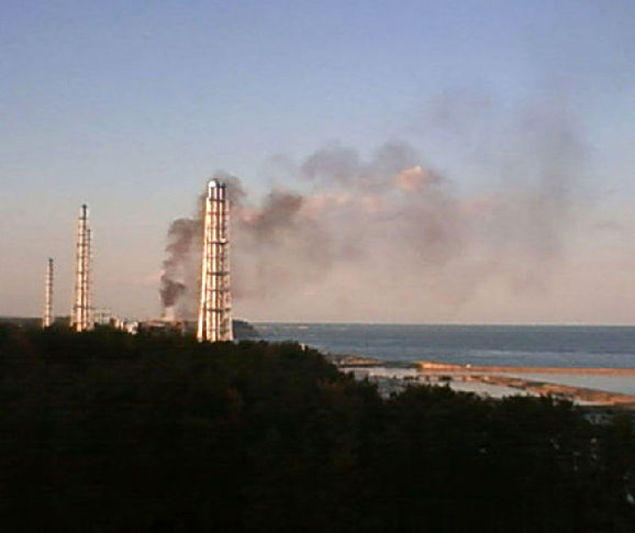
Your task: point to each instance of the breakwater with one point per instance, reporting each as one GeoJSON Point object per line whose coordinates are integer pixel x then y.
{"type": "Point", "coordinates": [499, 376]}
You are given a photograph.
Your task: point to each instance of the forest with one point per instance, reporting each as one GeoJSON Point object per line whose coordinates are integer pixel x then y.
{"type": "Point", "coordinates": [105, 431]}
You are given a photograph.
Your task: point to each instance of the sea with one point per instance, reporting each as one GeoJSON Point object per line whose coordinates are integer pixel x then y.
{"type": "Point", "coordinates": [526, 346]}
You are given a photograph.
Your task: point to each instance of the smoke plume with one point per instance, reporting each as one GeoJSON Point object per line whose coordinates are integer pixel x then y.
{"type": "Point", "coordinates": [176, 278]}
{"type": "Point", "coordinates": [388, 235]}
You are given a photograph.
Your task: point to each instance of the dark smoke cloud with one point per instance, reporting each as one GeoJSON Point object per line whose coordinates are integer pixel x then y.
{"type": "Point", "coordinates": [374, 213]}
{"type": "Point", "coordinates": [174, 279]}
{"type": "Point", "coordinates": [171, 291]}
{"type": "Point", "coordinates": [272, 241]}
{"type": "Point", "coordinates": [337, 165]}
{"type": "Point", "coordinates": [278, 214]}
{"type": "Point", "coordinates": [391, 235]}
{"type": "Point", "coordinates": [334, 162]}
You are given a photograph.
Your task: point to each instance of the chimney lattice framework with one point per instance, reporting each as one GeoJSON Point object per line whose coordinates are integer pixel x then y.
{"type": "Point", "coordinates": [48, 295]}
{"type": "Point", "coordinates": [214, 317]}
{"type": "Point", "coordinates": [81, 314]}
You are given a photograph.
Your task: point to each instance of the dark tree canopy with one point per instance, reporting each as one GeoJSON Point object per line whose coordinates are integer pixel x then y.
{"type": "Point", "coordinates": [104, 431]}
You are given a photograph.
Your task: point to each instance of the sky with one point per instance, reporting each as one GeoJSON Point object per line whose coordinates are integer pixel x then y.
{"type": "Point", "coordinates": [413, 161]}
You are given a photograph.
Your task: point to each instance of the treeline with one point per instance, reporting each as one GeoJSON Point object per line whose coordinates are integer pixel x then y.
{"type": "Point", "coordinates": [105, 431]}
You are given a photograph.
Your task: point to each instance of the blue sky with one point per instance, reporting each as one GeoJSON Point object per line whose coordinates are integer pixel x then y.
{"type": "Point", "coordinates": [130, 106]}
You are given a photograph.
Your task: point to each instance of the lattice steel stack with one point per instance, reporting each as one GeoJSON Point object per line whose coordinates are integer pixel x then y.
{"type": "Point", "coordinates": [214, 317]}
{"type": "Point", "coordinates": [48, 296]}
{"type": "Point", "coordinates": [81, 314]}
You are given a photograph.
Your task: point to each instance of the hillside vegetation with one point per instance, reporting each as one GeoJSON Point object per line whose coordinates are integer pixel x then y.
{"type": "Point", "coordinates": [105, 431]}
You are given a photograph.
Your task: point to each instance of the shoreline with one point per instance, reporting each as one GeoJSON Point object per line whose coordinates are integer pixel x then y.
{"type": "Point", "coordinates": [433, 366]}
{"type": "Point", "coordinates": [492, 375]}
{"type": "Point", "coordinates": [432, 372]}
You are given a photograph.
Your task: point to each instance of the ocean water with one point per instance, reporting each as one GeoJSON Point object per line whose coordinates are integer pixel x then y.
{"type": "Point", "coordinates": [560, 346]}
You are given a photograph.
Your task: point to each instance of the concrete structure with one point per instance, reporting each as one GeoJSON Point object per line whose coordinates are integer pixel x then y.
{"type": "Point", "coordinates": [47, 320]}
{"type": "Point", "coordinates": [81, 313]}
{"type": "Point", "coordinates": [214, 317]}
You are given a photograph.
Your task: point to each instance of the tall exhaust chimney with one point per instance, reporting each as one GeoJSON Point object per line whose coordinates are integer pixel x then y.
{"type": "Point", "coordinates": [81, 314]}
{"type": "Point", "coordinates": [214, 317]}
{"type": "Point", "coordinates": [48, 295]}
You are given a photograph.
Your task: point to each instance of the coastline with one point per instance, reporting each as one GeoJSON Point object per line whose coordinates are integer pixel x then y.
{"type": "Point", "coordinates": [433, 366]}
{"type": "Point", "coordinates": [487, 380]}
